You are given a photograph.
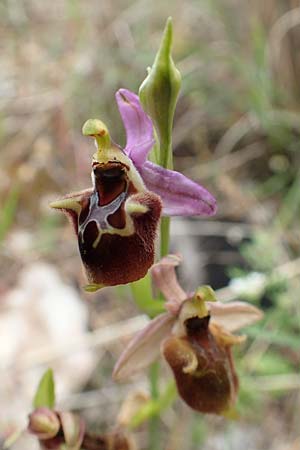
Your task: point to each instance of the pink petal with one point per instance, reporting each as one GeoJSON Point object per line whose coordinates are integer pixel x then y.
{"type": "Point", "coordinates": [164, 277]}
{"type": "Point", "coordinates": [234, 315]}
{"type": "Point", "coordinates": [144, 348]}
{"type": "Point", "coordinates": [180, 195]}
{"type": "Point", "coordinates": [138, 126]}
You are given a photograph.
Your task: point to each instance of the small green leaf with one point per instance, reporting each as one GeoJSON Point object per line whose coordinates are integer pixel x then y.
{"type": "Point", "coordinates": [45, 393]}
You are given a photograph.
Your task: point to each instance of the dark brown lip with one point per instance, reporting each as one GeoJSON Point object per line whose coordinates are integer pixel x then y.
{"type": "Point", "coordinates": [112, 169]}
{"type": "Point", "coordinates": [109, 165]}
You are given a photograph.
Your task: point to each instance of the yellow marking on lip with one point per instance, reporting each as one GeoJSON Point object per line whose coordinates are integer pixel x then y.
{"type": "Point", "coordinates": [128, 230]}
{"type": "Point", "coordinates": [135, 208]}
{"type": "Point", "coordinates": [192, 363]}
{"type": "Point", "coordinates": [97, 240]}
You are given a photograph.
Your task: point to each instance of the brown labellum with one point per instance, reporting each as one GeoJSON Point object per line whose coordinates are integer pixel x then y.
{"type": "Point", "coordinates": [117, 246]}
{"type": "Point", "coordinates": [116, 223]}
{"type": "Point", "coordinates": [203, 367]}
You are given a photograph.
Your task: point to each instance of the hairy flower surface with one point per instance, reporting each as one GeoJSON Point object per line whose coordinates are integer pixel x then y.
{"type": "Point", "coordinates": [116, 220]}
{"type": "Point", "coordinates": [195, 337]}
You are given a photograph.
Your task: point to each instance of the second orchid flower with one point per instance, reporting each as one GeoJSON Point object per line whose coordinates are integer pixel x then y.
{"type": "Point", "coordinates": [195, 337]}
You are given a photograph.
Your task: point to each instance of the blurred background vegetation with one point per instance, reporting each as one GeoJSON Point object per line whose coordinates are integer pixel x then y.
{"type": "Point", "coordinates": [237, 130]}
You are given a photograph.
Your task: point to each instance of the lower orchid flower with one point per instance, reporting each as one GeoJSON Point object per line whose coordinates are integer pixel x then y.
{"type": "Point", "coordinates": [57, 430]}
{"type": "Point", "coordinates": [63, 430]}
{"type": "Point", "coordinates": [195, 337]}
{"type": "Point", "coordinates": [116, 220]}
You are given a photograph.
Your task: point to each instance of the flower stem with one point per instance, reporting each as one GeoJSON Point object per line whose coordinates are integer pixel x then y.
{"type": "Point", "coordinates": [166, 161]}
{"type": "Point", "coordinates": [165, 221]}
{"type": "Point", "coordinates": [158, 94]}
{"type": "Point", "coordinates": [164, 236]}
{"type": "Point", "coordinates": [154, 432]}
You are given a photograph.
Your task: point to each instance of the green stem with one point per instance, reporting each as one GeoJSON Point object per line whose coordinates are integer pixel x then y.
{"type": "Point", "coordinates": [166, 161]}
{"type": "Point", "coordinates": [164, 236]}
{"type": "Point", "coordinates": [154, 434]}
{"type": "Point", "coordinates": [154, 375]}
{"type": "Point", "coordinates": [158, 94]}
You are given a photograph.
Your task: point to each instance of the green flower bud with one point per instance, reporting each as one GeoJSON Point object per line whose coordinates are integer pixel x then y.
{"type": "Point", "coordinates": [158, 94]}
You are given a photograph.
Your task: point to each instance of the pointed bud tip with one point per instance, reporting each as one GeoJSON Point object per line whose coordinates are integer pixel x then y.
{"type": "Point", "coordinates": [167, 38]}
{"type": "Point", "coordinates": [169, 27]}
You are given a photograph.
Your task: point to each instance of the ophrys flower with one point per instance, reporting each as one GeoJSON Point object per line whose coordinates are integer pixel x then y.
{"type": "Point", "coordinates": [116, 220]}
{"type": "Point", "coordinates": [195, 337]}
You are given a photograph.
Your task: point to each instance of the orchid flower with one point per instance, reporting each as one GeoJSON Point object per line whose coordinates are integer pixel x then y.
{"type": "Point", "coordinates": [56, 430]}
{"type": "Point", "coordinates": [116, 220]}
{"type": "Point", "coordinates": [63, 430]}
{"type": "Point", "coordinates": [195, 337]}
